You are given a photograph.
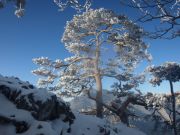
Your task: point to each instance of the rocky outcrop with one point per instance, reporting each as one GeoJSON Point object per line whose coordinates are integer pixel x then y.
{"type": "Point", "coordinates": [42, 105]}
{"type": "Point", "coordinates": [50, 109]}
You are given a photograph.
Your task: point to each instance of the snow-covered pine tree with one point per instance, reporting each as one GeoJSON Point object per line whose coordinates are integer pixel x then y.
{"type": "Point", "coordinates": [169, 71]}
{"type": "Point", "coordinates": [103, 44]}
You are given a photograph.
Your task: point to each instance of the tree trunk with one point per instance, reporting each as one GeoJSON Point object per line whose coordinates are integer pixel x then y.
{"type": "Point", "coordinates": [173, 107]}
{"type": "Point", "coordinates": [99, 106]}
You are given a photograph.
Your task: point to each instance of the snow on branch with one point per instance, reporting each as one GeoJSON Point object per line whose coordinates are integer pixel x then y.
{"type": "Point", "coordinates": [167, 12]}
{"type": "Point", "coordinates": [167, 71]}
{"type": "Point", "coordinates": [74, 4]}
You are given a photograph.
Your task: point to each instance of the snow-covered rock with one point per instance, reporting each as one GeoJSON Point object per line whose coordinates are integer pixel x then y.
{"type": "Point", "coordinates": [31, 111]}
{"type": "Point", "coordinates": [42, 104]}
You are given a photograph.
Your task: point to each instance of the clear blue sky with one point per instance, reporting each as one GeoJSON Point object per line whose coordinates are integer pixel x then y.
{"type": "Point", "coordinates": [39, 32]}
